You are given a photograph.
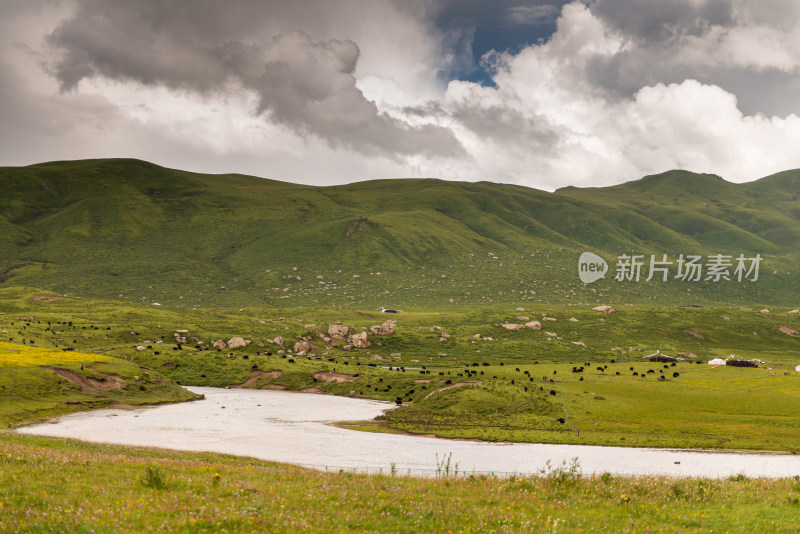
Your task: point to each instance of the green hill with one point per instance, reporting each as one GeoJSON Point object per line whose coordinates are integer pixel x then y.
{"type": "Point", "coordinates": [133, 230]}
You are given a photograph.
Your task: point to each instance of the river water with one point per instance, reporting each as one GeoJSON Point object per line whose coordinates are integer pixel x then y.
{"type": "Point", "coordinates": [294, 428]}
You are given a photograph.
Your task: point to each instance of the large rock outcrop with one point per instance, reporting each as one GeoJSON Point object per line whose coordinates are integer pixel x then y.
{"type": "Point", "coordinates": [303, 347]}
{"type": "Point", "coordinates": [237, 342]}
{"type": "Point", "coordinates": [338, 331]}
{"type": "Point", "coordinates": [386, 329]}
{"type": "Point", "coordinates": [359, 340]}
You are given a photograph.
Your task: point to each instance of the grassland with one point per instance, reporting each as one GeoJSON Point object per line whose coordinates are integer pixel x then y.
{"type": "Point", "coordinates": [37, 384]}
{"type": "Point", "coordinates": [55, 485]}
{"type": "Point", "coordinates": [503, 385]}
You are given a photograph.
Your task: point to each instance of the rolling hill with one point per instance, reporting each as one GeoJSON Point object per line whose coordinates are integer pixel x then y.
{"type": "Point", "coordinates": [133, 230]}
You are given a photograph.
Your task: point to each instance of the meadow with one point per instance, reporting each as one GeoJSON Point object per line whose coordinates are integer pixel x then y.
{"type": "Point", "coordinates": [584, 377]}
{"type": "Point", "coordinates": [56, 485]}
{"type": "Point", "coordinates": [38, 384]}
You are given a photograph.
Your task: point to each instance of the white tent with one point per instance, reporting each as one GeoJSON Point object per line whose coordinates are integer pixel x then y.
{"type": "Point", "coordinates": [797, 368]}
{"type": "Point", "coordinates": [716, 361]}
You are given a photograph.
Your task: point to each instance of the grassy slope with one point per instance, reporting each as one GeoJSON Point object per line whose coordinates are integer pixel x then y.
{"type": "Point", "coordinates": [36, 383]}
{"type": "Point", "coordinates": [61, 485]}
{"type": "Point", "coordinates": [124, 227]}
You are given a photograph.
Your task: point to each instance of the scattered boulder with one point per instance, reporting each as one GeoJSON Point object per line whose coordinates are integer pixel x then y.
{"type": "Point", "coordinates": [278, 340]}
{"type": "Point", "coordinates": [219, 345]}
{"type": "Point", "coordinates": [513, 326]}
{"type": "Point", "coordinates": [605, 309]}
{"type": "Point", "coordinates": [794, 311]}
{"type": "Point", "coordinates": [573, 320]}
{"type": "Point", "coordinates": [237, 342]}
{"type": "Point", "coordinates": [579, 343]}
{"type": "Point", "coordinates": [302, 348]}
{"type": "Point", "coordinates": [533, 325]}
{"type": "Point", "coordinates": [140, 348]}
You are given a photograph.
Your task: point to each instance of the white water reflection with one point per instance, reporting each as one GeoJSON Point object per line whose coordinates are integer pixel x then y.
{"type": "Point", "coordinates": [291, 428]}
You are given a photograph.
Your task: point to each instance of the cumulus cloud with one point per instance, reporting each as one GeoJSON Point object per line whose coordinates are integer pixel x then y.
{"type": "Point", "coordinates": [730, 42]}
{"type": "Point", "coordinates": [307, 85]}
{"type": "Point", "coordinates": [620, 91]}
{"type": "Point", "coordinates": [332, 92]}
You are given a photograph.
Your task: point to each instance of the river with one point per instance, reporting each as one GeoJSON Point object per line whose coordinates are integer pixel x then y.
{"type": "Point", "coordinates": [295, 428]}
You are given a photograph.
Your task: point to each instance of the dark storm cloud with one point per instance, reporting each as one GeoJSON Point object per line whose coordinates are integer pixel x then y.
{"type": "Point", "coordinates": [305, 84]}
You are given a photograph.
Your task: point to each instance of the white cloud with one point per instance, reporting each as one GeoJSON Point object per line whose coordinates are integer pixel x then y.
{"type": "Point", "coordinates": [619, 91]}
{"type": "Point", "coordinates": [548, 123]}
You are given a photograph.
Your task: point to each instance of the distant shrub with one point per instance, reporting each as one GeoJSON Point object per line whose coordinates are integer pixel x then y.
{"type": "Point", "coordinates": [153, 477]}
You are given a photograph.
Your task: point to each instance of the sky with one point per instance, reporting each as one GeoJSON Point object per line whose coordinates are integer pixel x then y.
{"type": "Point", "coordinates": [542, 93]}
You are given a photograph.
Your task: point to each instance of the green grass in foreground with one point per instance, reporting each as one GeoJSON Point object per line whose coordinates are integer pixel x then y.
{"type": "Point", "coordinates": [56, 485]}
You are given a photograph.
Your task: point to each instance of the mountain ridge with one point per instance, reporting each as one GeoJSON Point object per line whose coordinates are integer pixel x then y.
{"type": "Point", "coordinates": [113, 227]}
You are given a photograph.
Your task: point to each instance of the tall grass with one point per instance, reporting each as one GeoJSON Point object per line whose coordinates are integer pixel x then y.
{"type": "Point", "coordinates": [67, 486]}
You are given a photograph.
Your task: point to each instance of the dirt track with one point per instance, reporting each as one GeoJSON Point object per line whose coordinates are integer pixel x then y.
{"type": "Point", "coordinates": [451, 386]}
{"type": "Point", "coordinates": [106, 383]}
